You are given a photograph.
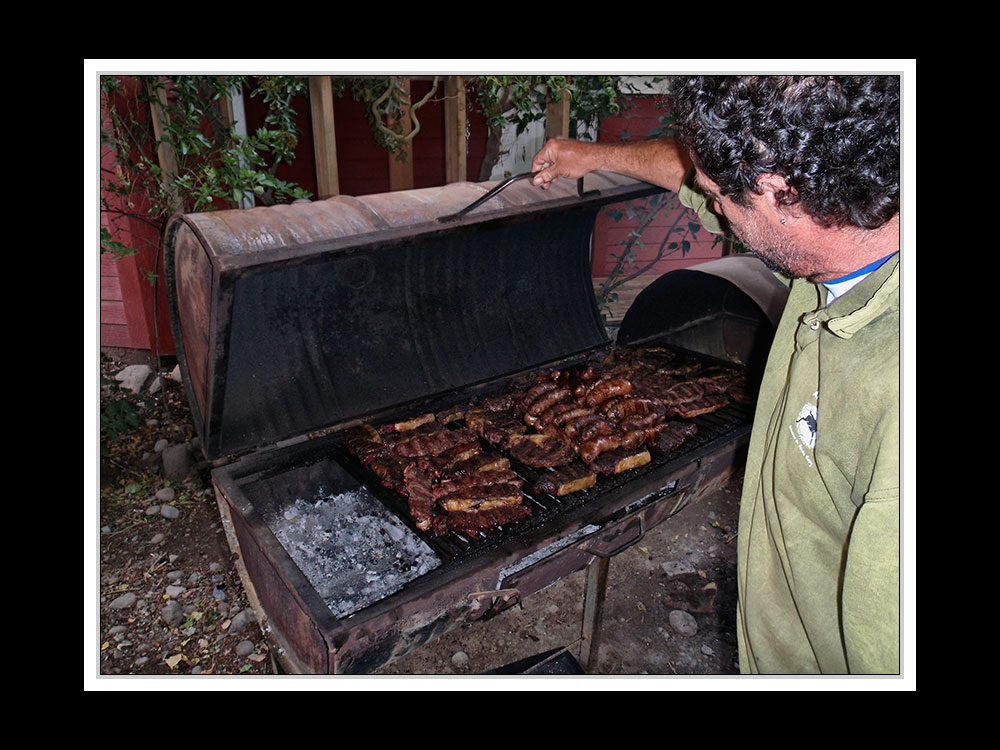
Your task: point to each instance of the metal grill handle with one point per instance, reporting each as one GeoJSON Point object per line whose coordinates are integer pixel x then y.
{"type": "Point", "coordinates": [502, 186]}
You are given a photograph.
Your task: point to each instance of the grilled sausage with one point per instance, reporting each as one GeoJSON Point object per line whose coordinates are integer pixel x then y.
{"type": "Point", "coordinates": [574, 413]}
{"type": "Point", "coordinates": [553, 413]}
{"type": "Point", "coordinates": [596, 429]}
{"type": "Point", "coordinates": [602, 390]}
{"type": "Point", "coordinates": [593, 448]}
{"type": "Point", "coordinates": [546, 400]}
{"type": "Point", "coordinates": [573, 426]}
{"type": "Point", "coordinates": [635, 438]}
{"type": "Point", "coordinates": [537, 390]}
{"type": "Point", "coordinates": [652, 419]}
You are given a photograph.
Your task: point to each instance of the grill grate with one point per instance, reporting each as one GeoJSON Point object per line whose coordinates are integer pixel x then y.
{"type": "Point", "coordinates": [717, 427]}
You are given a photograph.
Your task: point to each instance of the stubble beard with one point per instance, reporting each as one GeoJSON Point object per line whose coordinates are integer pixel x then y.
{"type": "Point", "coordinates": [777, 251]}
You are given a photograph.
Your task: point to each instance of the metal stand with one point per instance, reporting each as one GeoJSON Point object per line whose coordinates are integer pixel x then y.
{"type": "Point", "coordinates": [593, 611]}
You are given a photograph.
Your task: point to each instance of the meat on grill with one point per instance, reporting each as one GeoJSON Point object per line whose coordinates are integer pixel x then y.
{"type": "Point", "coordinates": [565, 480]}
{"type": "Point", "coordinates": [466, 482]}
{"type": "Point", "coordinates": [536, 391]}
{"type": "Point", "coordinates": [605, 389]}
{"type": "Point", "coordinates": [364, 441]}
{"type": "Point", "coordinates": [497, 428]}
{"type": "Point", "coordinates": [547, 399]}
{"type": "Point", "coordinates": [573, 427]}
{"type": "Point", "coordinates": [479, 462]}
{"type": "Point", "coordinates": [479, 520]}
{"type": "Point", "coordinates": [482, 497]}
{"type": "Point", "coordinates": [594, 447]}
{"type": "Point", "coordinates": [420, 494]}
{"type": "Point", "coordinates": [672, 434]}
{"type": "Point", "coordinates": [572, 415]}
{"type": "Point", "coordinates": [542, 451]}
{"type": "Point", "coordinates": [434, 443]}
{"type": "Point", "coordinates": [619, 461]}
{"type": "Point", "coordinates": [597, 428]}
{"type": "Point", "coordinates": [570, 425]}
{"type": "Point", "coordinates": [652, 419]}
{"type": "Point", "coordinates": [552, 414]}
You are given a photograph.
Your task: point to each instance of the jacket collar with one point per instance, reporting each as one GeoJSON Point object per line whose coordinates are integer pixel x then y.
{"type": "Point", "coordinates": [873, 297]}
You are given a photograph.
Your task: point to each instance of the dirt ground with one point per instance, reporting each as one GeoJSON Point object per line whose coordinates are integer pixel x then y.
{"type": "Point", "coordinates": [669, 610]}
{"type": "Point", "coordinates": [687, 564]}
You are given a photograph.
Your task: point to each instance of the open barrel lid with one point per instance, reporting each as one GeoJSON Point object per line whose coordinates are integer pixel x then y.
{"type": "Point", "coordinates": [295, 318]}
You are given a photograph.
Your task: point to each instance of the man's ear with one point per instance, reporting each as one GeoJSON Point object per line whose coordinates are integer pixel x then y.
{"type": "Point", "coordinates": [779, 196]}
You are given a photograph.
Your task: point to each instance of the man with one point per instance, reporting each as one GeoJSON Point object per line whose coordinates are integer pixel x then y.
{"type": "Point", "coordinates": [805, 172]}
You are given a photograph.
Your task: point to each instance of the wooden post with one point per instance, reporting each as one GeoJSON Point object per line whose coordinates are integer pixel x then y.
{"type": "Point", "coordinates": [401, 172]}
{"type": "Point", "coordinates": [164, 149]}
{"type": "Point", "coordinates": [557, 117]}
{"type": "Point", "coordinates": [455, 147]}
{"type": "Point", "coordinates": [324, 136]}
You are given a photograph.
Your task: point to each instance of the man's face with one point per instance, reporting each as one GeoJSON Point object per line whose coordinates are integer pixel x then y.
{"type": "Point", "coordinates": [761, 232]}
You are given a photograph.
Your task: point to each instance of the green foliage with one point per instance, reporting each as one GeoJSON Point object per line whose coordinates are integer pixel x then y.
{"type": "Point", "coordinates": [117, 249]}
{"type": "Point", "coordinates": [118, 417]}
{"type": "Point", "coordinates": [521, 100]}
{"type": "Point", "coordinates": [216, 167]}
{"type": "Point", "coordinates": [502, 100]}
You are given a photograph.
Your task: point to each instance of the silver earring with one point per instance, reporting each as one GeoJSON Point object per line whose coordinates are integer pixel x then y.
{"type": "Point", "coordinates": [782, 219]}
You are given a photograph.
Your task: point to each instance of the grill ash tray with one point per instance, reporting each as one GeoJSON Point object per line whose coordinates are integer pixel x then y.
{"type": "Point", "coordinates": [351, 548]}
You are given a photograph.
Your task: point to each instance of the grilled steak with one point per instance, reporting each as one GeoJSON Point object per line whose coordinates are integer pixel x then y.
{"type": "Point", "coordinates": [672, 434]}
{"type": "Point", "coordinates": [541, 451]}
{"type": "Point", "coordinates": [420, 494]}
{"type": "Point", "coordinates": [407, 424]}
{"type": "Point", "coordinates": [566, 479]}
{"type": "Point", "coordinates": [482, 497]}
{"type": "Point", "coordinates": [495, 427]}
{"type": "Point", "coordinates": [481, 520]}
{"type": "Point", "coordinates": [471, 480]}
{"type": "Point", "coordinates": [696, 407]}
{"type": "Point", "coordinates": [434, 443]}
{"type": "Point", "coordinates": [479, 462]}
{"type": "Point", "coordinates": [365, 442]}
{"type": "Point", "coordinates": [619, 461]}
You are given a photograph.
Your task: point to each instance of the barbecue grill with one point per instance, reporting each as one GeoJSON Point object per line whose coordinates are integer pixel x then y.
{"type": "Point", "coordinates": [296, 323]}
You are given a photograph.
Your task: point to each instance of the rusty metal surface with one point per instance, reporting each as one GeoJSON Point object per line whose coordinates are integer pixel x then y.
{"type": "Point", "coordinates": [304, 224]}
{"type": "Point", "coordinates": [317, 642]}
{"type": "Point", "coordinates": [191, 269]}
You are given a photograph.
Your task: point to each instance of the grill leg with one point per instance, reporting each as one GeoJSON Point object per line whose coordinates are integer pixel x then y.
{"type": "Point", "coordinates": [593, 611]}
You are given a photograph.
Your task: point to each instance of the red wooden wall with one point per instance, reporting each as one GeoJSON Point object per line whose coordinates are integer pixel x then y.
{"type": "Point", "coordinates": [638, 121]}
{"type": "Point", "coordinates": [127, 296]}
{"type": "Point", "coordinates": [362, 164]}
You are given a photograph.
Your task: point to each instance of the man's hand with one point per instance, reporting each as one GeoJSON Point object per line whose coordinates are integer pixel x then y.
{"type": "Point", "coordinates": [560, 157]}
{"type": "Point", "coordinates": [659, 161]}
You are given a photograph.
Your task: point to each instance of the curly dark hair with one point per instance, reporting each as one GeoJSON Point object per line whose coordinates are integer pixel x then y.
{"type": "Point", "coordinates": [835, 140]}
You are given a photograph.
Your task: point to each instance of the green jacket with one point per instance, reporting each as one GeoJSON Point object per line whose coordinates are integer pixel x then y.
{"type": "Point", "coordinates": [818, 552]}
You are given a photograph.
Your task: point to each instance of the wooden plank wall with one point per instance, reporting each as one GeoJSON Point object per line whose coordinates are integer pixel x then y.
{"type": "Point", "coordinates": [639, 121]}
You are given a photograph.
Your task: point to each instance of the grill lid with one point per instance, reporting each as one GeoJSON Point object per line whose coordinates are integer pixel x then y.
{"type": "Point", "coordinates": [291, 319]}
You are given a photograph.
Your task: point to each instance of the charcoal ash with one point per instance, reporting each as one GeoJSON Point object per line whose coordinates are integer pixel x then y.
{"type": "Point", "coordinates": [351, 548]}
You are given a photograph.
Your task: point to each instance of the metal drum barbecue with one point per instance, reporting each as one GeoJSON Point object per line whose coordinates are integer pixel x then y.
{"type": "Point", "coordinates": [298, 324]}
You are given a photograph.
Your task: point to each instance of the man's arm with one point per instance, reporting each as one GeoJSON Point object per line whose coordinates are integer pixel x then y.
{"type": "Point", "coordinates": [659, 161]}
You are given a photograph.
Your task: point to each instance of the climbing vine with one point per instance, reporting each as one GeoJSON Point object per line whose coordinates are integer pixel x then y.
{"type": "Point", "coordinates": [172, 148]}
